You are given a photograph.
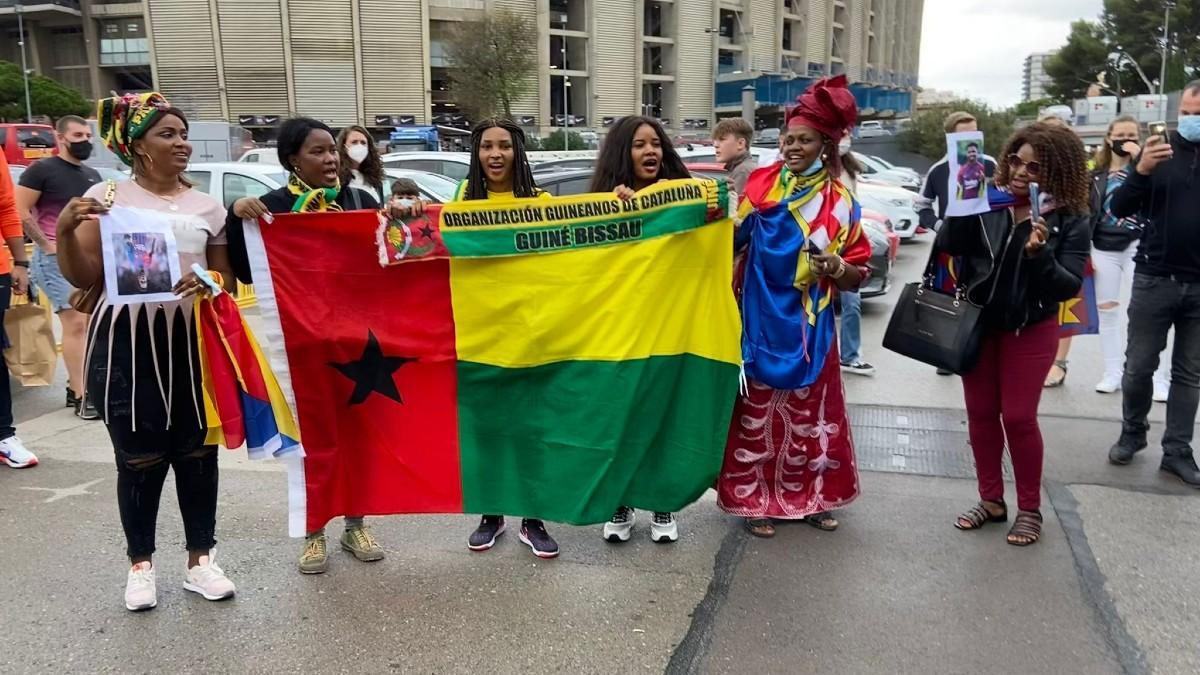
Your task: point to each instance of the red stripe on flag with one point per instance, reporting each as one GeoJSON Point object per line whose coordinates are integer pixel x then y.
{"type": "Point", "coordinates": [222, 383]}
{"type": "Point", "coordinates": [378, 456]}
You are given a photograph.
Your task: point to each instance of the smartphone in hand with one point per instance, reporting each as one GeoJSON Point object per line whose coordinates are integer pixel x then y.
{"type": "Point", "coordinates": [1159, 129]}
{"type": "Point", "coordinates": [1035, 202]}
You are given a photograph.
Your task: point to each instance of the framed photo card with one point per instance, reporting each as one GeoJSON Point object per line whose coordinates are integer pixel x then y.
{"type": "Point", "coordinates": [141, 258]}
{"type": "Point", "coordinates": [968, 174]}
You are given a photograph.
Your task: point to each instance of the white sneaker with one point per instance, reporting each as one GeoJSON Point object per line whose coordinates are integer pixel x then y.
{"type": "Point", "coordinates": [620, 527]}
{"type": "Point", "coordinates": [1111, 384]}
{"type": "Point", "coordinates": [209, 580]}
{"type": "Point", "coordinates": [1162, 391]}
{"type": "Point", "coordinates": [140, 592]}
{"type": "Point", "coordinates": [15, 454]}
{"type": "Point", "coordinates": [664, 529]}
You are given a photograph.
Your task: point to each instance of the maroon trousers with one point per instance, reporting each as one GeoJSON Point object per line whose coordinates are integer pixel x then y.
{"type": "Point", "coordinates": [1002, 395]}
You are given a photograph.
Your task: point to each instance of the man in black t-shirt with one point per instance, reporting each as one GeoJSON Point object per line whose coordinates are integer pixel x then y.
{"type": "Point", "coordinates": [44, 189]}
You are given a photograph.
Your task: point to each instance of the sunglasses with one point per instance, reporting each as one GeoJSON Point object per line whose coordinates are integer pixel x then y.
{"type": "Point", "coordinates": [1033, 168]}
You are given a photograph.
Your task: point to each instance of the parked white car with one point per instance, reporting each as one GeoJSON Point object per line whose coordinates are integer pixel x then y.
{"type": "Point", "coordinates": [876, 172]}
{"type": "Point", "coordinates": [872, 129]}
{"type": "Point", "coordinates": [230, 181]}
{"type": "Point", "coordinates": [453, 165]}
{"type": "Point", "coordinates": [896, 203]}
{"type": "Point", "coordinates": [261, 156]}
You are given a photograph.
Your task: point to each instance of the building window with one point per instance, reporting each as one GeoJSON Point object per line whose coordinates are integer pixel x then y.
{"type": "Point", "coordinates": [124, 42]}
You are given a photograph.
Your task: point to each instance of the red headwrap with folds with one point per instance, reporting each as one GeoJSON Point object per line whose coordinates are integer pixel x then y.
{"type": "Point", "coordinates": [827, 106]}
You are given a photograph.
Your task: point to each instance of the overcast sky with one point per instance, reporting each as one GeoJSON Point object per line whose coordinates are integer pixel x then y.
{"type": "Point", "coordinates": [977, 48]}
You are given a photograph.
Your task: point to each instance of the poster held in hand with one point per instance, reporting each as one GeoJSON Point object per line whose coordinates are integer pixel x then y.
{"type": "Point", "coordinates": [141, 258]}
{"type": "Point", "coordinates": [967, 175]}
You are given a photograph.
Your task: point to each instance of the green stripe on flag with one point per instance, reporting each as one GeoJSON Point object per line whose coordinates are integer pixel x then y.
{"type": "Point", "coordinates": [647, 433]}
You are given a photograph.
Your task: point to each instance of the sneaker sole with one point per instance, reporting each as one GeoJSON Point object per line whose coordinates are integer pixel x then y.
{"type": "Point", "coordinates": [664, 537]}
{"type": "Point", "coordinates": [141, 608]}
{"type": "Point", "coordinates": [617, 536]}
{"type": "Point", "coordinates": [315, 570]}
{"type": "Point", "coordinates": [15, 465]}
{"type": "Point", "coordinates": [363, 557]}
{"type": "Point", "coordinates": [196, 589]}
{"type": "Point", "coordinates": [541, 554]}
{"type": "Point", "coordinates": [483, 547]}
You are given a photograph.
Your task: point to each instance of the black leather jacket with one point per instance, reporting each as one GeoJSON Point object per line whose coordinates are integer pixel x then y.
{"type": "Point", "coordinates": [1016, 290]}
{"type": "Point", "coordinates": [1105, 235]}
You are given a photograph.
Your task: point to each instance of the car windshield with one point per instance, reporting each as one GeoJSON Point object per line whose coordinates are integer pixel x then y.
{"type": "Point", "coordinates": [439, 186]}
{"type": "Point", "coordinates": [883, 161]}
{"type": "Point", "coordinates": [871, 163]}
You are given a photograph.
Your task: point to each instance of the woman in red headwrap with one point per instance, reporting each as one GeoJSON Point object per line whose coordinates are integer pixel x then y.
{"type": "Point", "coordinates": [789, 453]}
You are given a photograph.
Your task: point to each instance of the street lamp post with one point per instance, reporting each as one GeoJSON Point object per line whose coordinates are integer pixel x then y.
{"type": "Point", "coordinates": [1162, 76]}
{"type": "Point", "coordinates": [24, 65]}
{"type": "Point", "coordinates": [566, 113]}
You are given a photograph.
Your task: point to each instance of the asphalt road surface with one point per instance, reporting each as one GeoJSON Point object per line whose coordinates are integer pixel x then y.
{"type": "Point", "coordinates": [1112, 587]}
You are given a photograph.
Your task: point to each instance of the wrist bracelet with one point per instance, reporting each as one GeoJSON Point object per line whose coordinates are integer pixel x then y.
{"type": "Point", "coordinates": [841, 271]}
{"type": "Point", "coordinates": [21, 263]}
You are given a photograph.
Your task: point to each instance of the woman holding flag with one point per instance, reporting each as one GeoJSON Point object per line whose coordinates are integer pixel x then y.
{"type": "Point", "coordinates": [312, 157]}
{"type": "Point", "coordinates": [140, 361]}
{"type": "Point", "coordinates": [500, 170]}
{"type": "Point", "coordinates": [1018, 264]}
{"type": "Point", "coordinates": [636, 154]}
{"type": "Point", "coordinates": [790, 454]}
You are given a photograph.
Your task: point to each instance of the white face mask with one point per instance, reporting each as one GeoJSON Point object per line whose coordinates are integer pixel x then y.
{"type": "Point", "coordinates": [358, 152]}
{"type": "Point", "coordinates": [843, 147]}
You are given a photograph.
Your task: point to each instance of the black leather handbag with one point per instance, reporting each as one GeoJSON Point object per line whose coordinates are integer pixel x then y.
{"type": "Point", "coordinates": [935, 327]}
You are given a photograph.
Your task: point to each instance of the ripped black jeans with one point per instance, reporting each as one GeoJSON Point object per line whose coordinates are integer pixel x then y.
{"type": "Point", "coordinates": [150, 398]}
{"type": "Point", "coordinates": [143, 458]}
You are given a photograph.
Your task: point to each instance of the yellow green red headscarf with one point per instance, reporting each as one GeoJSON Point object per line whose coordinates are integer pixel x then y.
{"type": "Point", "coordinates": [124, 119]}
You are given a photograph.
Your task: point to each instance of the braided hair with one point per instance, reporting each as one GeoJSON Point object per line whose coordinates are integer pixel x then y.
{"type": "Point", "coordinates": [1064, 172]}
{"type": "Point", "coordinates": [523, 185]}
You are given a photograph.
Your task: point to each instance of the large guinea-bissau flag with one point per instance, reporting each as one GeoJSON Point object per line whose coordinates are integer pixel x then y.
{"type": "Point", "coordinates": [548, 358]}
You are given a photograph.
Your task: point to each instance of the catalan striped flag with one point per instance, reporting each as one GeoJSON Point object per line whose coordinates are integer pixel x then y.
{"type": "Point", "coordinates": [243, 402]}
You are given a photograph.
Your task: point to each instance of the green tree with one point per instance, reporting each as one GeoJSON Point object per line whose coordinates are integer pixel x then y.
{"type": "Point", "coordinates": [48, 97]}
{"type": "Point", "coordinates": [1078, 63]}
{"type": "Point", "coordinates": [926, 135]}
{"type": "Point", "coordinates": [495, 62]}
{"type": "Point", "coordinates": [1134, 27]}
{"type": "Point", "coordinates": [1031, 108]}
{"type": "Point", "coordinates": [555, 141]}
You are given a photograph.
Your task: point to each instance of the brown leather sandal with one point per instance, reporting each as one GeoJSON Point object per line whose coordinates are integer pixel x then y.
{"type": "Point", "coordinates": [823, 521]}
{"type": "Point", "coordinates": [979, 515]}
{"type": "Point", "coordinates": [1026, 529]}
{"type": "Point", "coordinates": [760, 527]}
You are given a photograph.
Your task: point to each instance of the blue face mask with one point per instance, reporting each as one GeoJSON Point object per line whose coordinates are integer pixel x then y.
{"type": "Point", "coordinates": [818, 165]}
{"type": "Point", "coordinates": [1189, 127]}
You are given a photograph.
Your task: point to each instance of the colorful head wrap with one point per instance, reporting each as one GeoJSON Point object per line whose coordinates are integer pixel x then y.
{"type": "Point", "coordinates": [827, 106]}
{"type": "Point", "coordinates": [124, 119]}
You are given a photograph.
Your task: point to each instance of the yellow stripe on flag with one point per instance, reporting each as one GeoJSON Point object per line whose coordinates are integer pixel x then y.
{"type": "Point", "coordinates": [664, 296]}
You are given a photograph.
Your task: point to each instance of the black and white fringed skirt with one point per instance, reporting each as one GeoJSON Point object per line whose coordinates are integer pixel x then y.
{"type": "Point", "coordinates": [143, 375]}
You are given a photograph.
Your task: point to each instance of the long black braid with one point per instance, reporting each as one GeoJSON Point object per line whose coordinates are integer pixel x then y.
{"type": "Point", "coordinates": [523, 185]}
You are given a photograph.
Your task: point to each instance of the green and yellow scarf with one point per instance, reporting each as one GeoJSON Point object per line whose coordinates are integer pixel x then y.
{"type": "Point", "coordinates": [309, 199]}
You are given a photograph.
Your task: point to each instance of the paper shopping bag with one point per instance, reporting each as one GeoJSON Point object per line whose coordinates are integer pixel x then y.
{"type": "Point", "coordinates": [31, 356]}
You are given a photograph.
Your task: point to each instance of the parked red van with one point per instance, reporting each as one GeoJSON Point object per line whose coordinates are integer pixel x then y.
{"type": "Point", "coordinates": [24, 144]}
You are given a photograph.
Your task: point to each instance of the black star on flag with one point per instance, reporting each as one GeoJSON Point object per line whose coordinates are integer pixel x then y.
{"type": "Point", "coordinates": [372, 372]}
{"type": "Point", "coordinates": [427, 232]}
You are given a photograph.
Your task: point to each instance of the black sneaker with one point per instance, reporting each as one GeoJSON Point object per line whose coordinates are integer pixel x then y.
{"type": "Point", "coordinates": [84, 410]}
{"type": "Point", "coordinates": [944, 372]}
{"type": "Point", "coordinates": [1183, 466]}
{"type": "Point", "coordinates": [1123, 451]}
{"type": "Point", "coordinates": [72, 400]}
{"type": "Point", "coordinates": [484, 536]}
{"type": "Point", "coordinates": [859, 368]}
{"type": "Point", "coordinates": [534, 535]}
